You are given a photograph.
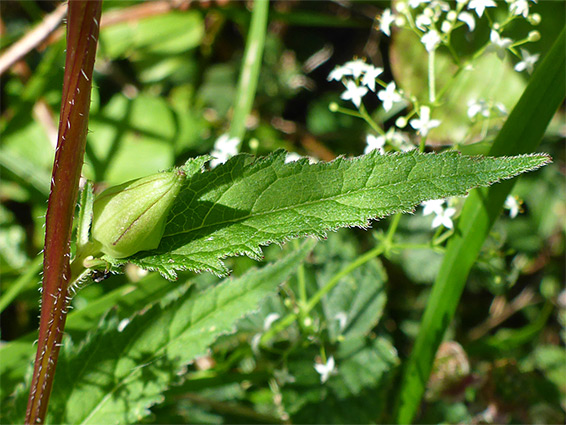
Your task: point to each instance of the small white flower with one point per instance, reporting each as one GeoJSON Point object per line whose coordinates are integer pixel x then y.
{"type": "Point", "coordinates": [476, 107]}
{"type": "Point", "coordinates": [433, 206]}
{"type": "Point", "coordinates": [122, 325]}
{"type": "Point", "coordinates": [375, 143]}
{"type": "Point", "coordinates": [439, 5]}
{"type": "Point", "coordinates": [424, 124]}
{"type": "Point", "coordinates": [325, 370]}
{"type": "Point", "coordinates": [387, 18]}
{"type": "Point", "coordinates": [338, 73]}
{"type": "Point", "coordinates": [444, 218]}
{"type": "Point", "coordinates": [519, 7]}
{"type": "Point", "coordinates": [431, 40]}
{"type": "Point", "coordinates": [389, 96]}
{"type": "Point", "coordinates": [354, 93]}
{"type": "Point", "coordinates": [528, 62]}
{"type": "Point", "coordinates": [423, 21]}
{"type": "Point", "coordinates": [498, 44]}
{"type": "Point", "coordinates": [370, 75]}
{"type": "Point", "coordinates": [468, 19]}
{"type": "Point", "coordinates": [342, 320]}
{"type": "Point", "coordinates": [357, 67]}
{"type": "Point", "coordinates": [501, 109]}
{"type": "Point", "coordinates": [292, 157]}
{"type": "Point", "coordinates": [272, 317]}
{"type": "Point", "coordinates": [416, 3]}
{"type": "Point", "coordinates": [480, 5]}
{"type": "Point", "coordinates": [224, 148]}
{"type": "Point", "coordinates": [512, 204]}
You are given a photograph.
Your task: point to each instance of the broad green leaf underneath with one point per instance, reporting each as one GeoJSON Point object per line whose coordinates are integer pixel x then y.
{"type": "Point", "coordinates": [119, 372]}
{"type": "Point", "coordinates": [244, 204]}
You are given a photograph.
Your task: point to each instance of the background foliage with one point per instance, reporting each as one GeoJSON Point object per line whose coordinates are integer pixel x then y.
{"type": "Point", "coordinates": [165, 85]}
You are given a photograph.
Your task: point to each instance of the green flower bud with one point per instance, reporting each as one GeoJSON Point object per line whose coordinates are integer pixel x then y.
{"type": "Point", "coordinates": [130, 217]}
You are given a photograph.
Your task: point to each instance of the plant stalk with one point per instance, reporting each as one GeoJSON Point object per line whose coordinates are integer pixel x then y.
{"type": "Point", "coordinates": [82, 38]}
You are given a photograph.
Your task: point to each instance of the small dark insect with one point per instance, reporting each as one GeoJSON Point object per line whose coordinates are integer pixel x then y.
{"type": "Point", "coordinates": [99, 275]}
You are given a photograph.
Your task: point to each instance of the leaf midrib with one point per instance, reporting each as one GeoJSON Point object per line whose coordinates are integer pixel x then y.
{"type": "Point", "coordinates": [332, 198]}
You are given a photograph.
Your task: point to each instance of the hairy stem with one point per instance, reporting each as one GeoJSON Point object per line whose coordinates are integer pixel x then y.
{"type": "Point", "coordinates": [82, 37]}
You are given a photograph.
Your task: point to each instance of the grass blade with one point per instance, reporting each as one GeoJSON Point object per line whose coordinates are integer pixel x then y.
{"type": "Point", "coordinates": [249, 74]}
{"type": "Point", "coordinates": [521, 134]}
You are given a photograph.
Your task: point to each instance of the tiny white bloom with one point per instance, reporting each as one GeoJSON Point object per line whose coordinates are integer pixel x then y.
{"type": "Point", "coordinates": [498, 44]}
{"type": "Point", "coordinates": [122, 325]}
{"type": "Point", "coordinates": [272, 317]}
{"type": "Point", "coordinates": [416, 3]}
{"type": "Point", "coordinates": [423, 21]}
{"type": "Point", "coordinates": [387, 18]}
{"type": "Point", "coordinates": [342, 320]}
{"type": "Point", "coordinates": [480, 5]}
{"type": "Point", "coordinates": [338, 73]}
{"type": "Point", "coordinates": [224, 148]}
{"type": "Point", "coordinates": [424, 124]}
{"type": "Point", "coordinates": [439, 5]}
{"type": "Point", "coordinates": [292, 157]}
{"type": "Point", "coordinates": [431, 40]}
{"type": "Point", "coordinates": [519, 7]}
{"type": "Point", "coordinates": [375, 143]}
{"type": "Point", "coordinates": [468, 19]}
{"type": "Point", "coordinates": [354, 93]}
{"type": "Point", "coordinates": [446, 27]}
{"type": "Point", "coordinates": [501, 109]}
{"type": "Point", "coordinates": [325, 370]}
{"type": "Point", "coordinates": [357, 67]}
{"type": "Point", "coordinates": [389, 96]}
{"type": "Point", "coordinates": [444, 218]}
{"type": "Point", "coordinates": [433, 206]}
{"type": "Point", "coordinates": [528, 62]}
{"type": "Point", "coordinates": [476, 107]}
{"type": "Point", "coordinates": [370, 75]}
{"type": "Point", "coordinates": [451, 16]}
{"type": "Point", "coordinates": [512, 205]}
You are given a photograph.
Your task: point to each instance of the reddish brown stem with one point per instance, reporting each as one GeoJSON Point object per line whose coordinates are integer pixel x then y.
{"type": "Point", "coordinates": [82, 37]}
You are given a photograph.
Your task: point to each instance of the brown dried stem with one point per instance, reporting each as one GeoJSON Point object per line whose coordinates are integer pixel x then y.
{"type": "Point", "coordinates": [33, 38]}
{"type": "Point", "coordinates": [82, 36]}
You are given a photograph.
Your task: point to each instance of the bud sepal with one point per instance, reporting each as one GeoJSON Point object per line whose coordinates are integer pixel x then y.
{"type": "Point", "coordinates": [131, 217]}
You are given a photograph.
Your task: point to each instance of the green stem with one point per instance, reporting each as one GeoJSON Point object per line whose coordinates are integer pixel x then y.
{"type": "Point", "coordinates": [342, 273]}
{"type": "Point", "coordinates": [301, 281]}
{"type": "Point", "coordinates": [249, 73]}
{"type": "Point", "coordinates": [364, 114]}
{"type": "Point", "coordinates": [431, 79]}
{"type": "Point", "coordinates": [292, 317]}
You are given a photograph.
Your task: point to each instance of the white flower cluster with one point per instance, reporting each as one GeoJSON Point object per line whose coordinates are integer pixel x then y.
{"type": "Point", "coordinates": [443, 212]}
{"type": "Point", "coordinates": [443, 216]}
{"type": "Point", "coordinates": [436, 19]}
{"type": "Point", "coordinates": [359, 78]}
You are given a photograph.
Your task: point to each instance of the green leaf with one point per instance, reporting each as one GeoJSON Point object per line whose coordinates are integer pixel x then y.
{"type": "Point", "coordinates": [142, 128]}
{"type": "Point", "coordinates": [18, 355]}
{"type": "Point", "coordinates": [355, 305]}
{"type": "Point", "coordinates": [171, 33]}
{"type": "Point", "coordinates": [242, 205]}
{"type": "Point", "coordinates": [120, 372]}
{"type": "Point", "coordinates": [362, 375]}
{"type": "Point", "coordinates": [521, 133]}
